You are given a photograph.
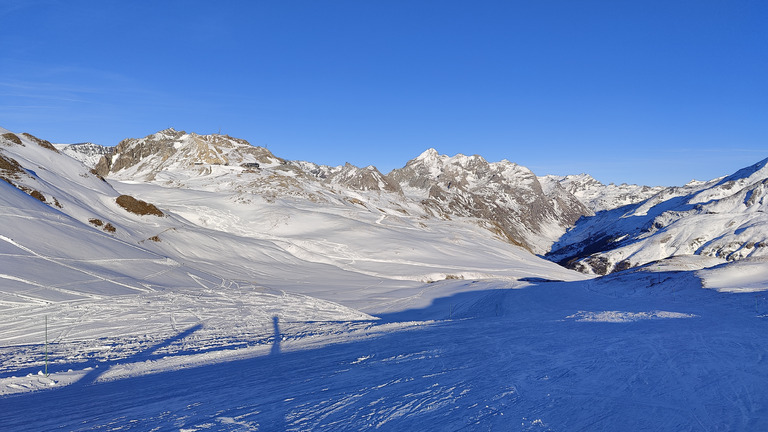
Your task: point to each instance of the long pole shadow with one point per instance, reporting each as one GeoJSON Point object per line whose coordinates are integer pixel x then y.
{"type": "Point", "coordinates": [276, 343]}
{"type": "Point", "coordinates": [95, 373]}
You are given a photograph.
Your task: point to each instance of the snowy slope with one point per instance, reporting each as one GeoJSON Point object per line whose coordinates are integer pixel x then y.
{"type": "Point", "coordinates": [725, 218]}
{"type": "Point", "coordinates": [641, 350]}
{"type": "Point", "coordinates": [505, 198]}
{"type": "Point", "coordinates": [748, 275]}
{"type": "Point", "coordinates": [218, 224]}
{"type": "Point", "coordinates": [341, 251]}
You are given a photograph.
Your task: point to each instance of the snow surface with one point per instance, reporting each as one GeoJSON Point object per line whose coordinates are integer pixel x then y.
{"type": "Point", "coordinates": [653, 356]}
{"type": "Point", "coordinates": [747, 275]}
{"type": "Point", "coordinates": [254, 314]}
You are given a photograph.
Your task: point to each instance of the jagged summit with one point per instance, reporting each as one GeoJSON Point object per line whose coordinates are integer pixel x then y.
{"type": "Point", "coordinates": [428, 154]}
{"type": "Point", "coordinates": [88, 153]}
{"type": "Point", "coordinates": [598, 196]}
{"type": "Point", "coordinates": [432, 158]}
{"type": "Point", "coordinates": [170, 151]}
{"type": "Point", "coordinates": [365, 179]}
{"type": "Point", "coordinates": [505, 195]}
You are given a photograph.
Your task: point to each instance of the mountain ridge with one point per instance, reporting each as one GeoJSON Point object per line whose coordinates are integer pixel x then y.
{"type": "Point", "coordinates": [502, 196]}
{"type": "Point", "coordinates": [726, 218]}
{"type": "Point", "coordinates": [574, 220]}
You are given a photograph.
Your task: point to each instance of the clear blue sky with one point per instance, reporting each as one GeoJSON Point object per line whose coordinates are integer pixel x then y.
{"type": "Point", "coordinates": [650, 92]}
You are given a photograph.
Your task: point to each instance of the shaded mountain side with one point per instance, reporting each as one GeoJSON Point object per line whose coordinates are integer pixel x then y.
{"type": "Point", "coordinates": [726, 218]}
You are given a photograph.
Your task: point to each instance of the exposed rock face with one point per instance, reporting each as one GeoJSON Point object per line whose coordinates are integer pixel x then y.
{"type": "Point", "coordinates": [725, 218]}
{"type": "Point", "coordinates": [505, 194]}
{"type": "Point", "coordinates": [169, 149]}
{"type": "Point", "coordinates": [365, 179]}
{"type": "Point", "coordinates": [137, 206]}
{"type": "Point", "coordinates": [10, 138]}
{"type": "Point", "coordinates": [349, 176]}
{"type": "Point", "coordinates": [10, 168]}
{"type": "Point", "coordinates": [41, 142]}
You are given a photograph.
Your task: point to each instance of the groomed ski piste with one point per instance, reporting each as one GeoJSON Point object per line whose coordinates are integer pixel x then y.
{"type": "Point", "coordinates": [646, 350]}
{"type": "Point", "coordinates": [296, 316]}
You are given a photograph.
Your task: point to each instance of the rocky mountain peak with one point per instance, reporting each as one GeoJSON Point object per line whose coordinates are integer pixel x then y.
{"type": "Point", "coordinates": [427, 155]}
{"type": "Point", "coordinates": [178, 150]}
{"type": "Point", "coordinates": [601, 197]}
{"type": "Point", "coordinates": [88, 153]}
{"type": "Point", "coordinates": [366, 179]}
{"type": "Point", "coordinates": [169, 133]}
{"type": "Point", "coordinates": [505, 195]}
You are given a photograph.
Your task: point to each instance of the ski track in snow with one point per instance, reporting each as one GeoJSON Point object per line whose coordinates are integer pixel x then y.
{"type": "Point", "coordinates": [499, 359]}
{"type": "Point", "coordinates": [63, 263]}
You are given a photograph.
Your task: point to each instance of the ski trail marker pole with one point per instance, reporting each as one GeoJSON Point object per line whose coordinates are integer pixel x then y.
{"type": "Point", "coordinates": [46, 345]}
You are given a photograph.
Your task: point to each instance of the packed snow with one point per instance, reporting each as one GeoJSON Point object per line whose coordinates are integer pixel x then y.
{"type": "Point", "coordinates": [520, 356]}
{"type": "Point", "coordinates": [237, 312]}
{"type": "Point", "coordinates": [748, 275]}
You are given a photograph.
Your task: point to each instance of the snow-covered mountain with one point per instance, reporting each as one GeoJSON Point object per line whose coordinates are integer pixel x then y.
{"type": "Point", "coordinates": [505, 196]}
{"type": "Point", "coordinates": [220, 206]}
{"type": "Point", "coordinates": [170, 151]}
{"type": "Point", "coordinates": [87, 153]}
{"type": "Point", "coordinates": [502, 197]}
{"type": "Point", "coordinates": [620, 226]}
{"type": "Point", "coordinates": [598, 196]}
{"type": "Point", "coordinates": [725, 218]}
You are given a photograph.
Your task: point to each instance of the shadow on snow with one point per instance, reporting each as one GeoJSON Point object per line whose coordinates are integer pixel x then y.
{"type": "Point", "coordinates": [491, 360]}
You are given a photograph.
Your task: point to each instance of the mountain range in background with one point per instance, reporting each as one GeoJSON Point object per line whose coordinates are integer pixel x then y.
{"type": "Point", "coordinates": [573, 220]}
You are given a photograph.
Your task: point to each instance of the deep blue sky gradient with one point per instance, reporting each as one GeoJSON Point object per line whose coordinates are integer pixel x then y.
{"type": "Point", "coordinates": [649, 92]}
